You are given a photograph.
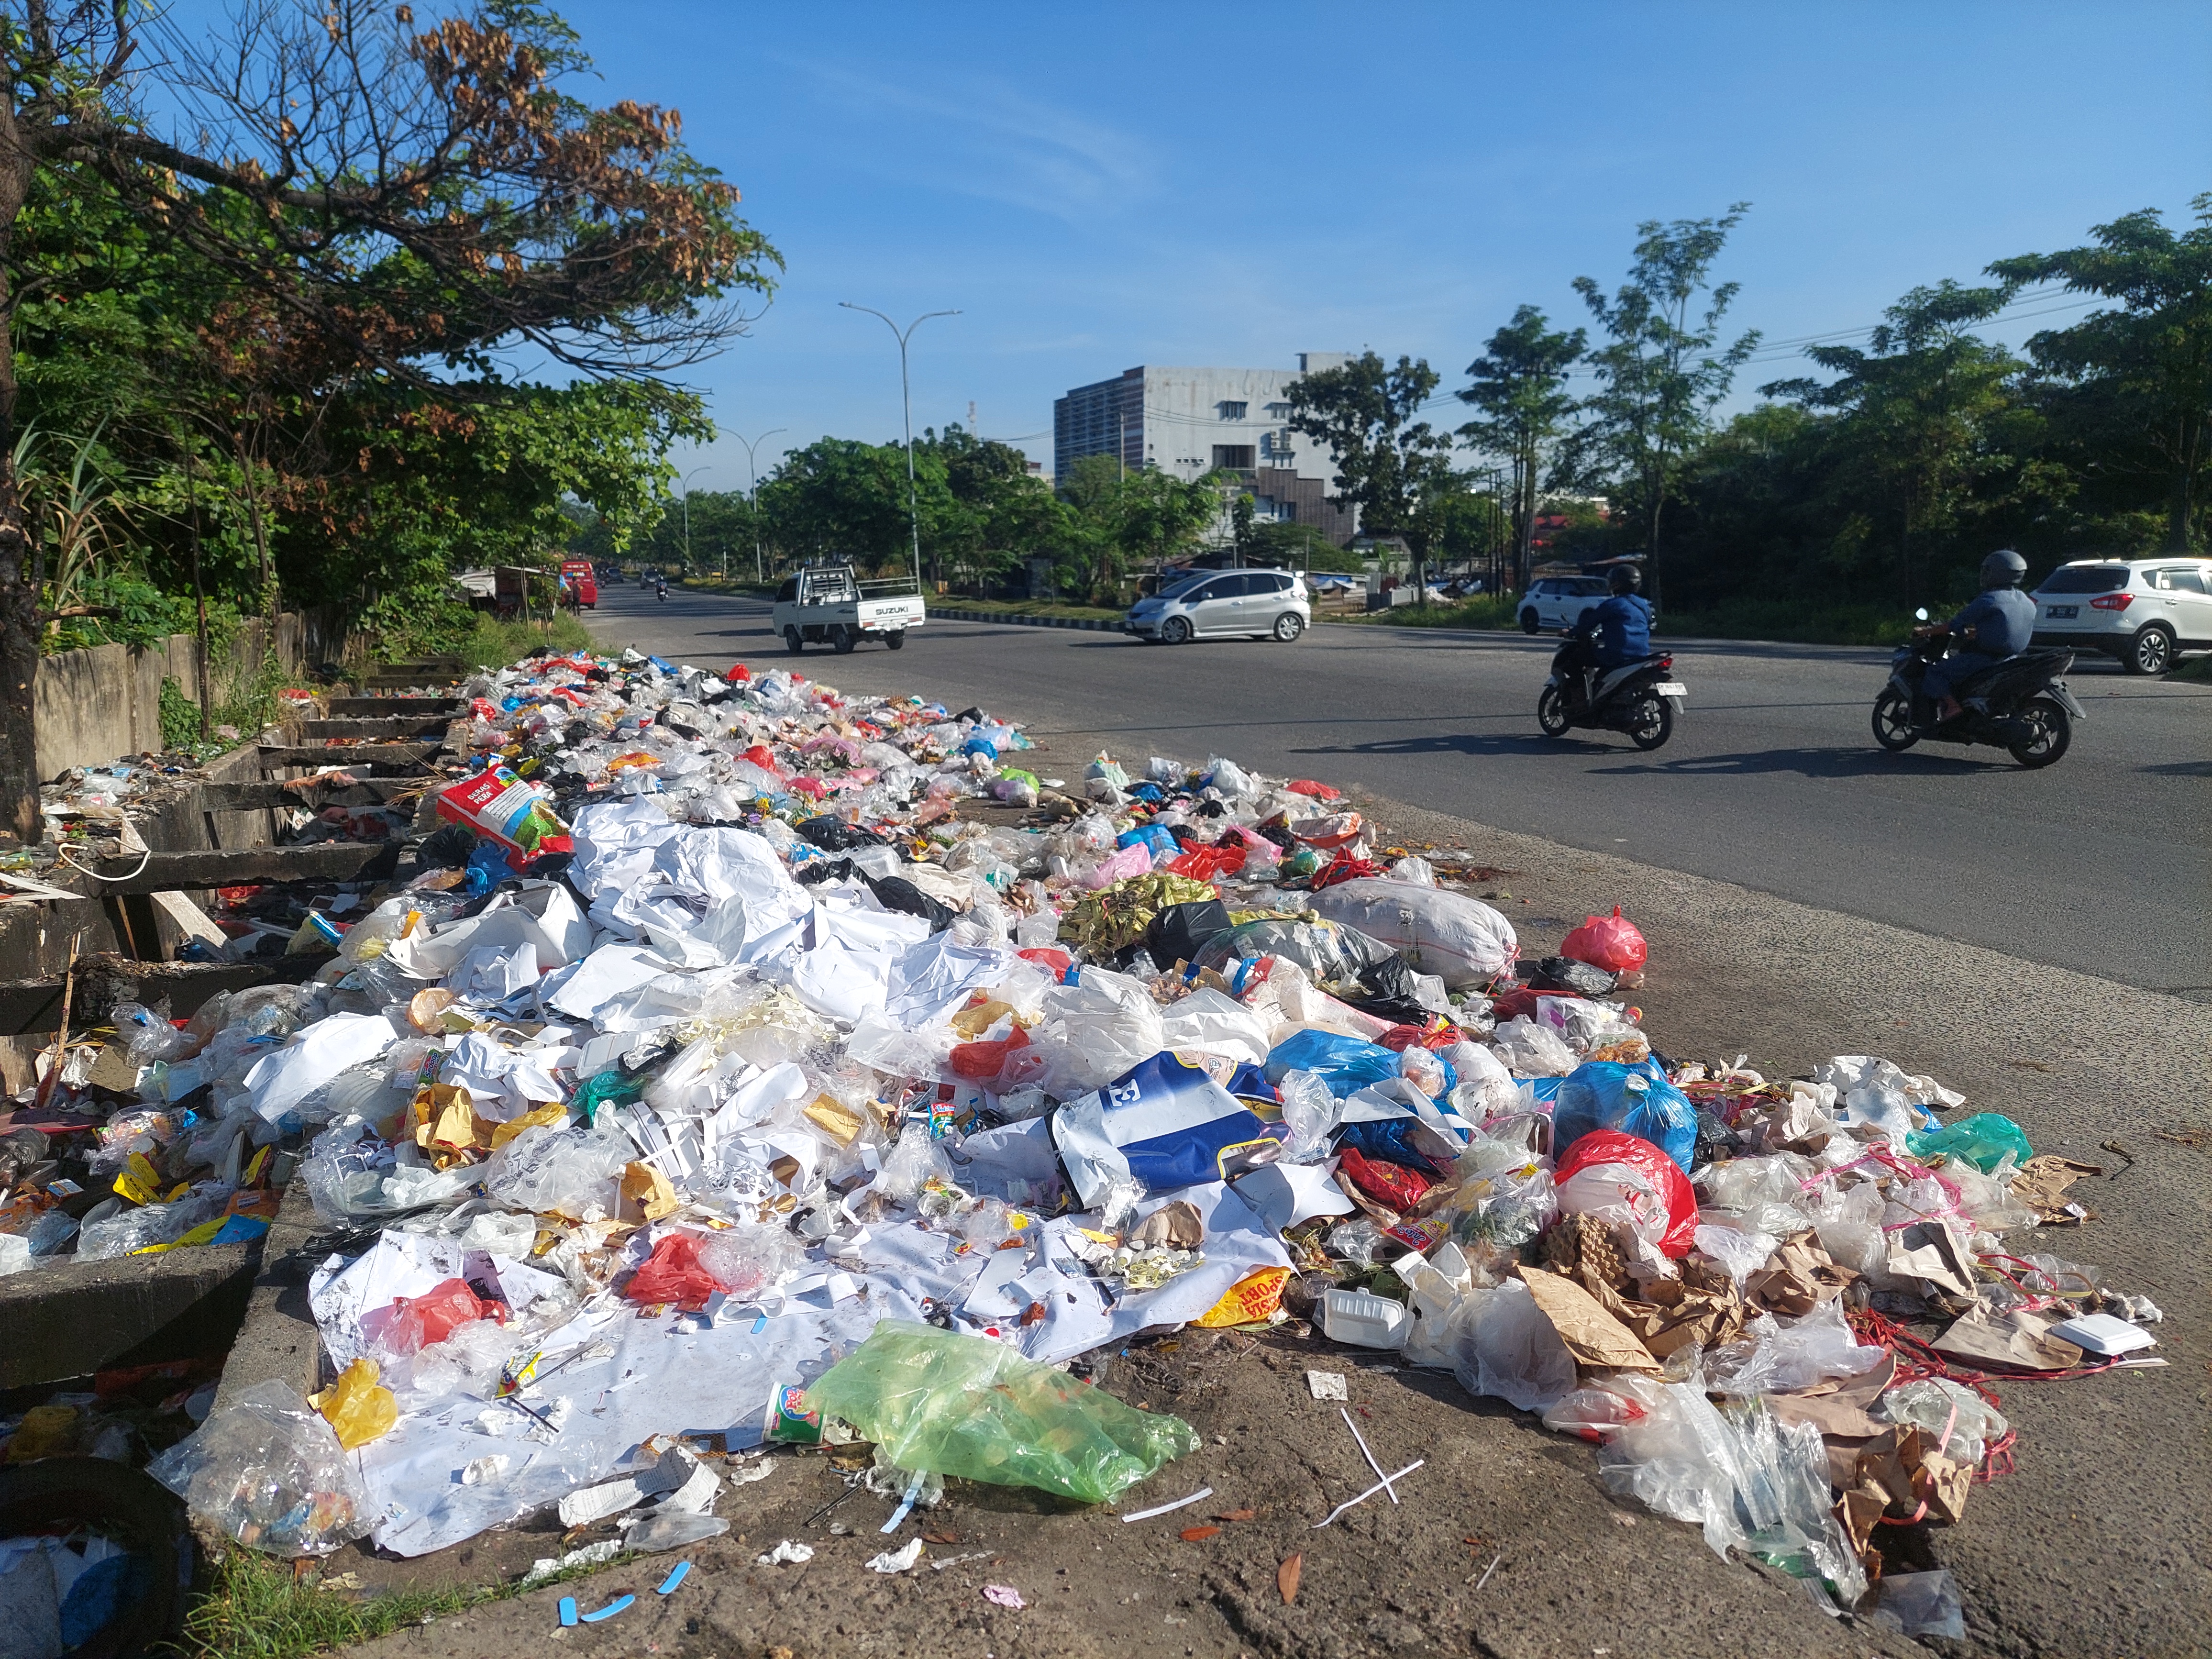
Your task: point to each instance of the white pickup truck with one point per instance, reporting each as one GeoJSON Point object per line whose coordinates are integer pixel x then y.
{"type": "Point", "coordinates": [826, 604]}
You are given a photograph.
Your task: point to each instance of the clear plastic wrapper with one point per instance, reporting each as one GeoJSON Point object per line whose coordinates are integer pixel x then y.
{"type": "Point", "coordinates": [269, 1472]}
{"type": "Point", "coordinates": [1532, 1050]}
{"type": "Point", "coordinates": [569, 1172]}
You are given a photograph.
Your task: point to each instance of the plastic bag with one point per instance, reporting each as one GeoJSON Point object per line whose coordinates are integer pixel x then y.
{"type": "Point", "coordinates": [1921, 1604]}
{"type": "Point", "coordinates": [952, 1405]}
{"type": "Point", "coordinates": [1461, 940]}
{"type": "Point", "coordinates": [1335, 958]}
{"type": "Point", "coordinates": [1504, 1345]}
{"type": "Point", "coordinates": [1962, 1424]}
{"type": "Point", "coordinates": [1093, 1031]}
{"type": "Point", "coordinates": [357, 1409]}
{"type": "Point", "coordinates": [1817, 1348]}
{"type": "Point", "coordinates": [569, 1172]}
{"type": "Point", "coordinates": [1612, 1173]}
{"type": "Point", "coordinates": [1984, 1141]}
{"type": "Point", "coordinates": [1611, 943]}
{"type": "Point", "coordinates": [1532, 1050]}
{"type": "Point", "coordinates": [673, 1272]}
{"type": "Point", "coordinates": [1345, 1064]}
{"type": "Point", "coordinates": [412, 1324]}
{"type": "Point", "coordinates": [269, 1472]}
{"type": "Point", "coordinates": [1636, 1100]}
{"type": "Point", "coordinates": [147, 1036]}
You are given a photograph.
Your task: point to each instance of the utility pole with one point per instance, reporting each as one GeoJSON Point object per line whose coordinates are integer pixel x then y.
{"type": "Point", "coordinates": [906, 402]}
{"type": "Point", "coordinates": [752, 489]}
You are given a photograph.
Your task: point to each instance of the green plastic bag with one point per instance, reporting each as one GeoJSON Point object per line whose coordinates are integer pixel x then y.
{"type": "Point", "coordinates": [1983, 1140]}
{"type": "Point", "coordinates": [941, 1403]}
{"type": "Point", "coordinates": [608, 1088]}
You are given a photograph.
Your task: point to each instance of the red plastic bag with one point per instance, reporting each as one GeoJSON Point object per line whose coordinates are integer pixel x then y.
{"type": "Point", "coordinates": [739, 674]}
{"type": "Point", "coordinates": [1608, 942]}
{"type": "Point", "coordinates": [1393, 1185]}
{"type": "Point", "coordinates": [982, 1061]}
{"type": "Point", "coordinates": [673, 1273]}
{"type": "Point", "coordinates": [416, 1321]}
{"type": "Point", "coordinates": [764, 757]}
{"type": "Point", "coordinates": [1606, 1170]}
{"type": "Point", "coordinates": [1058, 963]}
{"type": "Point", "coordinates": [1317, 791]}
{"type": "Point", "coordinates": [1343, 868]}
{"type": "Point", "coordinates": [1207, 863]}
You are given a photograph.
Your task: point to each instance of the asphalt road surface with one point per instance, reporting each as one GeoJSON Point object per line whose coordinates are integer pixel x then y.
{"type": "Point", "coordinates": [2101, 864]}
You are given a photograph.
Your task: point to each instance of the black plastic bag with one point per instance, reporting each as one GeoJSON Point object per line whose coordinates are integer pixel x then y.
{"type": "Point", "coordinates": [834, 835]}
{"type": "Point", "coordinates": [1178, 931]}
{"type": "Point", "coordinates": [1565, 974]}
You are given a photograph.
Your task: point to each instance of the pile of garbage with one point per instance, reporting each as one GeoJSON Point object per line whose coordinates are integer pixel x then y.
{"type": "Point", "coordinates": [747, 1065]}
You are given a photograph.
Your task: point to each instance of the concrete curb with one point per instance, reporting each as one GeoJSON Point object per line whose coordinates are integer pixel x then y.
{"type": "Point", "coordinates": [1090, 624]}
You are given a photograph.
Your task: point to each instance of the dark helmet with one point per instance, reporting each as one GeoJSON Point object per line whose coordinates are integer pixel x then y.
{"type": "Point", "coordinates": [2003, 568]}
{"type": "Point", "coordinates": [1624, 579]}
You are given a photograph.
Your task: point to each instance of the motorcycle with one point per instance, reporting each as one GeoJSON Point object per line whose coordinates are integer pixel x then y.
{"type": "Point", "coordinates": [1640, 698]}
{"type": "Point", "coordinates": [2019, 705]}
{"type": "Point", "coordinates": [660, 589]}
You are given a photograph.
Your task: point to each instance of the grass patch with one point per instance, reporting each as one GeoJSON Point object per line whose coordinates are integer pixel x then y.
{"type": "Point", "coordinates": [2199, 670]}
{"type": "Point", "coordinates": [1030, 608]}
{"type": "Point", "coordinates": [492, 643]}
{"type": "Point", "coordinates": [1791, 623]}
{"type": "Point", "coordinates": [1481, 610]}
{"type": "Point", "coordinates": [252, 1608]}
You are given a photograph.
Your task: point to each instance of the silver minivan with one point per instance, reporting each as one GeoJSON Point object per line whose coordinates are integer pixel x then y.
{"type": "Point", "coordinates": [1261, 603]}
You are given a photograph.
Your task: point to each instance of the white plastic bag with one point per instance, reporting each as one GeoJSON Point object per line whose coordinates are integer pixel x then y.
{"type": "Point", "coordinates": [1461, 940]}
{"type": "Point", "coordinates": [1532, 1050]}
{"type": "Point", "coordinates": [1093, 1031]}
{"type": "Point", "coordinates": [269, 1471]}
{"type": "Point", "coordinates": [1501, 1345]}
{"type": "Point", "coordinates": [567, 1172]}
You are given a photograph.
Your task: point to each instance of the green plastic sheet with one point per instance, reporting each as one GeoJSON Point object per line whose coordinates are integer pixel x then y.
{"type": "Point", "coordinates": [1983, 1140]}
{"type": "Point", "coordinates": [942, 1403]}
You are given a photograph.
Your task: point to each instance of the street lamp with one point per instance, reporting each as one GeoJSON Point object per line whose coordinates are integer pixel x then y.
{"type": "Point", "coordinates": [752, 486]}
{"type": "Point", "coordinates": [906, 399]}
{"type": "Point", "coordinates": [685, 484]}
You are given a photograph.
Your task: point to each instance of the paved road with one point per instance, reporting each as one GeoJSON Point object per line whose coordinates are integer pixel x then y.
{"type": "Point", "coordinates": [2101, 864]}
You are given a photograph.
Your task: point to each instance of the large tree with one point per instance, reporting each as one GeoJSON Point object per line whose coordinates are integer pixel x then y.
{"type": "Point", "coordinates": [1520, 386]}
{"type": "Point", "coordinates": [1393, 466]}
{"type": "Point", "coordinates": [2142, 368]}
{"type": "Point", "coordinates": [378, 199]}
{"type": "Point", "coordinates": [1914, 409]}
{"type": "Point", "coordinates": [1663, 367]}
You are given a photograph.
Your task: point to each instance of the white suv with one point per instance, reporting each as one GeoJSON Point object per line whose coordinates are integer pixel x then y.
{"type": "Point", "coordinates": [1556, 602]}
{"type": "Point", "coordinates": [2144, 611]}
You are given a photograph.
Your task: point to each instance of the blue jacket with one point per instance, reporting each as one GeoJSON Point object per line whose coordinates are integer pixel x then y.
{"type": "Point", "coordinates": [2003, 621]}
{"type": "Point", "coordinates": [1623, 625]}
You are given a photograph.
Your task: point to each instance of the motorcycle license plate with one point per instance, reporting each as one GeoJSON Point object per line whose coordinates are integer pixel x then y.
{"type": "Point", "coordinates": [1671, 688]}
{"type": "Point", "coordinates": [2065, 612]}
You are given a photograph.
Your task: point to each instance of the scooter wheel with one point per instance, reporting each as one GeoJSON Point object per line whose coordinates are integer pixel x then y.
{"type": "Point", "coordinates": [1652, 723]}
{"type": "Point", "coordinates": [1552, 711]}
{"type": "Point", "coordinates": [1893, 722]}
{"type": "Point", "coordinates": [2049, 730]}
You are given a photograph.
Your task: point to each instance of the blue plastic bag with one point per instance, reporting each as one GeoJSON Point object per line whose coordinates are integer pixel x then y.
{"type": "Point", "coordinates": [1154, 838]}
{"type": "Point", "coordinates": [1346, 1064]}
{"type": "Point", "coordinates": [1637, 1100]}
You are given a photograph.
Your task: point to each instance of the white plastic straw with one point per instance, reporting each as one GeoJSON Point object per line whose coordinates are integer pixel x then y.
{"type": "Point", "coordinates": [1163, 1509]}
{"type": "Point", "coordinates": [1364, 1453]}
{"type": "Point", "coordinates": [1384, 1484]}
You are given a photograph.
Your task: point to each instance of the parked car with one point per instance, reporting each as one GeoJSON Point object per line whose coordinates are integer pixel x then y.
{"type": "Point", "coordinates": [1554, 602]}
{"type": "Point", "coordinates": [2146, 612]}
{"type": "Point", "coordinates": [1260, 602]}
{"type": "Point", "coordinates": [827, 604]}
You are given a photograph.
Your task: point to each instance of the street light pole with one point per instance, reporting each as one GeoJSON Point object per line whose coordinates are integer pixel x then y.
{"type": "Point", "coordinates": [685, 483]}
{"type": "Point", "coordinates": [906, 400]}
{"type": "Point", "coordinates": [752, 487]}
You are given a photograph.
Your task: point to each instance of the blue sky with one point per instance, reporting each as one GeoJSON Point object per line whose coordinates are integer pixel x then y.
{"type": "Point", "coordinates": [1099, 187]}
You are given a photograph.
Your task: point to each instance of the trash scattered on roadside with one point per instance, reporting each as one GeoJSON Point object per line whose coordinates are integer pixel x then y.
{"type": "Point", "coordinates": [1005, 1595]}
{"type": "Point", "coordinates": [796, 1554]}
{"type": "Point", "coordinates": [742, 1060]}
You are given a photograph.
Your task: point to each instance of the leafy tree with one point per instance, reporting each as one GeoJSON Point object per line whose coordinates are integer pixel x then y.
{"type": "Point", "coordinates": [841, 498]}
{"type": "Point", "coordinates": [1663, 369]}
{"type": "Point", "coordinates": [1520, 386]}
{"type": "Point", "coordinates": [378, 203]}
{"type": "Point", "coordinates": [1914, 412]}
{"type": "Point", "coordinates": [2143, 367]}
{"type": "Point", "coordinates": [1116, 521]}
{"type": "Point", "coordinates": [1394, 468]}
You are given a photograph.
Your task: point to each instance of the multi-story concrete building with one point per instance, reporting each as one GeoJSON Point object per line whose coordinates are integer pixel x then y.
{"type": "Point", "coordinates": [1191, 421]}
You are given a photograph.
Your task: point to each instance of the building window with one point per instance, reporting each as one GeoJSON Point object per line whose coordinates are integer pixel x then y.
{"type": "Point", "coordinates": [1236, 456]}
{"type": "Point", "coordinates": [1232, 411]}
{"type": "Point", "coordinates": [1278, 411]}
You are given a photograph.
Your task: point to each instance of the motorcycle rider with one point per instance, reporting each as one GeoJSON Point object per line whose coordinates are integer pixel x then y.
{"type": "Point", "coordinates": [1612, 633]}
{"type": "Point", "coordinates": [1997, 623]}
{"type": "Point", "coordinates": [660, 588]}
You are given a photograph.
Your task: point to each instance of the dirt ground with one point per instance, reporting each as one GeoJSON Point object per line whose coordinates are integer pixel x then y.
{"type": "Point", "coordinates": [2088, 1549]}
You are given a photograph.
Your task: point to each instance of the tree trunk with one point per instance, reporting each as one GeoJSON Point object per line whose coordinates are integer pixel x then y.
{"type": "Point", "coordinates": [1651, 547]}
{"type": "Point", "coordinates": [2181, 503]}
{"type": "Point", "coordinates": [19, 599]}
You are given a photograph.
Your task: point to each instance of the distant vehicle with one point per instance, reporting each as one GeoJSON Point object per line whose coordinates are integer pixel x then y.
{"type": "Point", "coordinates": [2146, 612]}
{"type": "Point", "coordinates": [1265, 603]}
{"type": "Point", "coordinates": [583, 583]}
{"type": "Point", "coordinates": [1560, 601]}
{"type": "Point", "coordinates": [646, 577]}
{"type": "Point", "coordinates": [827, 604]}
